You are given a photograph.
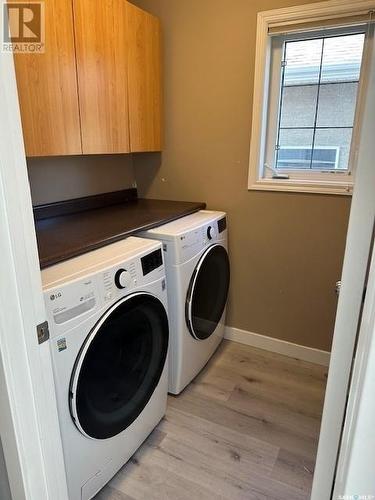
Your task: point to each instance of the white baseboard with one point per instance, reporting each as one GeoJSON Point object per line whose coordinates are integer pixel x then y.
{"type": "Point", "coordinates": [279, 346]}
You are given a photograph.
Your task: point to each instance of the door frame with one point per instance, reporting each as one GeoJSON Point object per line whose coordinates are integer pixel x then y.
{"type": "Point", "coordinates": [349, 310]}
{"type": "Point", "coordinates": [29, 428]}
{"type": "Point", "coordinates": [355, 474]}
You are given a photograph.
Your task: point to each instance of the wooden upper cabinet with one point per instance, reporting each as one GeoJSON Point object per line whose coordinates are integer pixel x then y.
{"type": "Point", "coordinates": [97, 87]}
{"type": "Point", "coordinates": [47, 88]}
{"type": "Point", "coordinates": [102, 66]}
{"type": "Point", "coordinates": [144, 80]}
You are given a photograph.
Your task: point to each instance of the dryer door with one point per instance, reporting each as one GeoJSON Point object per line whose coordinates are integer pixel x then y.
{"type": "Point", "coordinates": [208, 292]}
{"type": "Point", "coordinates": [119, 366]}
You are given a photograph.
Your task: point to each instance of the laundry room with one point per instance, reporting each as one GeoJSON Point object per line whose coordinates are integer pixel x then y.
{"type": "Point", "coordinates": [187, 231]}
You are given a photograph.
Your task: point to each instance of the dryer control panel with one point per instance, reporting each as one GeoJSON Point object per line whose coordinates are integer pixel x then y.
{"type": "Point", "coordinates": [222, 224]}
{"type": "Point", "coordinates": [192, 242]}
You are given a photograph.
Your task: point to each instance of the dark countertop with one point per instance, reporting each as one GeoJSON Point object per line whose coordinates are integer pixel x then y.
{"type": "Point", "coordinates": [64, 236]}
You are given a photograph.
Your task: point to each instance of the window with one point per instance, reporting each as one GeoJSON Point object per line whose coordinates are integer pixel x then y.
{"type": "Point", "coordinates": [305, 137]}
{"type": "Point", "coordinates": [325, 157]}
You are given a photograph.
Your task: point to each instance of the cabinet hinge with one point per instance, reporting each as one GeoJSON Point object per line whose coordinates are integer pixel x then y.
{"type": "Point", "coordinates": [42, 331]}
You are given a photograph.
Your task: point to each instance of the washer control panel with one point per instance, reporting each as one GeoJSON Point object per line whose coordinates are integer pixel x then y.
{"type": "Point", "coordinates": [71, 301]}
{"type": "Point", "coordinates": [81, 296]}
{"type": "Point", "coordinates": [151, 261]}
{"type": "Point", "coordinates": [121, 278]}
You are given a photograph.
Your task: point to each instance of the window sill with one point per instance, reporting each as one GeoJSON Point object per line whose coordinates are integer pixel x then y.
{"type": "Point", "coordinates": [297, 186]}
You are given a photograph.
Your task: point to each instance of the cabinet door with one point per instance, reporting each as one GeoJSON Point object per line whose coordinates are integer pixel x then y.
{"type": "Point", "coordinates": [47, 88]}
{"type": "Point", "coordinates": [102, 64]}
{"type": "Point", "coordinates": [145, 92]}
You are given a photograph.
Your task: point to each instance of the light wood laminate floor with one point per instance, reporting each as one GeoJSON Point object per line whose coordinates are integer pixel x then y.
{"type": "Point", "coordinates": [246, 428]}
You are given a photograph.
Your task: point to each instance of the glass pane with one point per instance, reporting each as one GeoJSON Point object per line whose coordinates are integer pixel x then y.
{"type": "Point", "coordinates": [337, 105]}
{"type": "Point", "coordinates": [298, 106]}
{"type": "Point", "coordinates": [332, 139]}
{"type": "Point", "coordinates": [302, 60]}
{"type": "Point", "coordinates": [294, 148]}
{"type": "Point", "coordinates": [342, 57]}
{"type": "Point", "coordinates": [318, 100]}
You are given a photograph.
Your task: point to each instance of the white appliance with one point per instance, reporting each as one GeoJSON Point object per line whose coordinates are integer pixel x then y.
{"type": "Point", "coordinates": [107, 313]}
{"type": "Point", "coordinates": [198, 273]}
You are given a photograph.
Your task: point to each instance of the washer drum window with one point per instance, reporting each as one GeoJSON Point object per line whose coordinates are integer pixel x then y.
{"type": "Point", "coordinates": [119, 366]}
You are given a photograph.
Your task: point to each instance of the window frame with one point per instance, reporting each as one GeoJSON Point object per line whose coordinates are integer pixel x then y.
{"type": "Point", "coordinates": [265, 98]}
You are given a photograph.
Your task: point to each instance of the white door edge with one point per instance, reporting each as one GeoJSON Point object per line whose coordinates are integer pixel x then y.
{"type": "Point", "coordinates": [29, 427]}
{"type": "Point", "coordinates": [357, 255]}
{"type": "Point", "coordinates": [355, 469]}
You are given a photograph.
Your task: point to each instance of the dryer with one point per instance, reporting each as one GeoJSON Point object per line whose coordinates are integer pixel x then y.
{"type": "Point", "coordinates": [198, 273]}
{"type": "Point", "coordinates": [109, 337]}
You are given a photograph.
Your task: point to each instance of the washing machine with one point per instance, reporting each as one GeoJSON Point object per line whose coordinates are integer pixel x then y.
{"type": "Point", "coordinates": [109, 336]}
{"type": "Point", "coordinates": [197, 266]}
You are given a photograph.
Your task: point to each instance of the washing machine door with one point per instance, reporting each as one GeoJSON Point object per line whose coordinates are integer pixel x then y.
{"type": "Point", "coordinates": [119, 366]}
{"type": "Point", "coordinates": [208, 292]}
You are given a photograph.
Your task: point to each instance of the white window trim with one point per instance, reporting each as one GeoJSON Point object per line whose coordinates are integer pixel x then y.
{"type": "Point", "coordinates": [308, 13]}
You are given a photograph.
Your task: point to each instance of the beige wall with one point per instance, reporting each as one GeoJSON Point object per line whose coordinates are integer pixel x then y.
{"type": "Point", "coordinates": [66, 177]}
{"type": "Point", "coordinates": [286, 249]}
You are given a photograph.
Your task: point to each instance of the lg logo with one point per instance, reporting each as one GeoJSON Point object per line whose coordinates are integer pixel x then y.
{"type": "Point", "coordinates": [55, 296]}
